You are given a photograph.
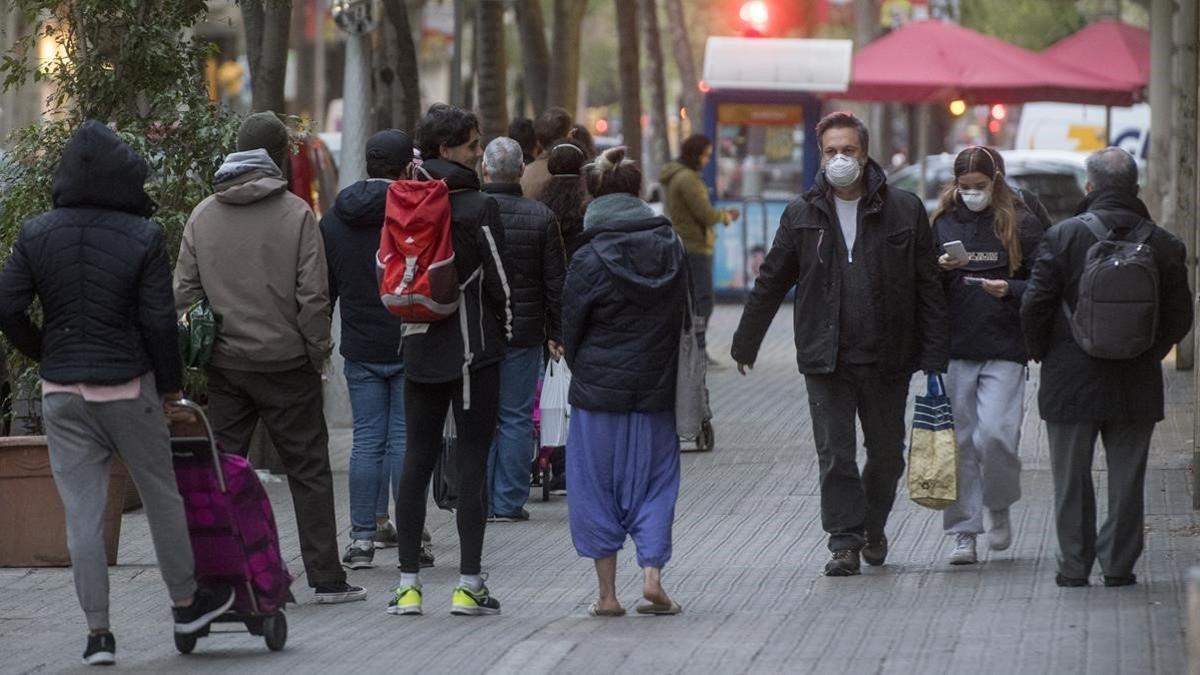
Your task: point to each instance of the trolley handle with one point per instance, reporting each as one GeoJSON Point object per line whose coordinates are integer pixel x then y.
{"type": "Point", "coordinates": [195, 409]}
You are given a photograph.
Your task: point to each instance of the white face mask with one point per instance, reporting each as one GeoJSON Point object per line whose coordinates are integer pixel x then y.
{"type": "Point", "coordinates": [976, 200]}
{"type": "Point", "coordinates": [842, 170]}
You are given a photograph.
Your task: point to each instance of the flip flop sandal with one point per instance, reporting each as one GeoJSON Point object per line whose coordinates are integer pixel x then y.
{"type": "Point", "coordinates": [660, 610]}
{"type": "Point", "coordinates": [594, 610]}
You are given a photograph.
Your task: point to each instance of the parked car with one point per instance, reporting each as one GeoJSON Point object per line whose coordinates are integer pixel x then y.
{"type": "Point", "coordinates": [1055, 176]}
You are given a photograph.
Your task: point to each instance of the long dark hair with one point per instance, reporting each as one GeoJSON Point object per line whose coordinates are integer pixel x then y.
{"type": "Point", "coordinates": [564, 193]}
{"type": "Point", "coordinates": [978, 158]}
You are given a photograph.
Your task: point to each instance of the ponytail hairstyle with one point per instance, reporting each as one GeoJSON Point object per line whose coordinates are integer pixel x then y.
{"type": "Point", "coordinates": [985, 160]}
{"type": "Point", "coordinates": [611, 173]}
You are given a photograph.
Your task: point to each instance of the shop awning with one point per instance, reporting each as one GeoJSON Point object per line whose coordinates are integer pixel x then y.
{"type": "Point", "coordinates": [938, 61]}
{"type": "Point", "coordinates": [1110, 49]}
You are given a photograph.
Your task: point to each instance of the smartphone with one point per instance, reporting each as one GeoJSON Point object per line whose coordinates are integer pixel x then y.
{"type": "Point", "coordinates": [957, 251]}
{"type": "Point", "coordinates": [973, 281]}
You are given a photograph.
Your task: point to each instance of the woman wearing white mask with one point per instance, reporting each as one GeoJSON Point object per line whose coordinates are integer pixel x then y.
{"type": "Point", "coordinates": [986, 380]}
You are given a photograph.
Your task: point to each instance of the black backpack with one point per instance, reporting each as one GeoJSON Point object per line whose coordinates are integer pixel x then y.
{"type": "Point", "coordinates": [1116, 313]}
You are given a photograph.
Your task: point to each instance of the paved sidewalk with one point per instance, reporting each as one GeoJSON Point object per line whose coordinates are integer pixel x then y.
{"type": "Point", "coordinates": [748, 556]}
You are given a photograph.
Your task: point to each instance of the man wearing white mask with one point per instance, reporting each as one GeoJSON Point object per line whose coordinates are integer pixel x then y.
{"type": "Point", "coordinates": [869, 312]}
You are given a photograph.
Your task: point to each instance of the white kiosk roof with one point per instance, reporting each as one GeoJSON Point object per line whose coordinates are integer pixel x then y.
{"type": "Point", "coordinates": [771, 64]}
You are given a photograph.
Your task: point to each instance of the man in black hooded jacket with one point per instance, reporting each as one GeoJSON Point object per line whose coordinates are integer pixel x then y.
{"type": "Point", "coordinates": [1082, 397]}
{"type": "Point", "coordinates": [870, 311]}
{"type": "Point", "coordinates": [109, 364]}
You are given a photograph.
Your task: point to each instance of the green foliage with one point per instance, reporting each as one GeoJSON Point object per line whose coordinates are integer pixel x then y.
{"type": "Point", "coordinates": [1032, 24]}
{"type": "Point", "coordinates": [133, 65]}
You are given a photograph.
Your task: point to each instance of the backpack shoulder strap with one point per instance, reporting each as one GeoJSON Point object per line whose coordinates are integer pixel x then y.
{"type": "Point", "coordinates": [1142, 232]}
{"type": "Point", "coordinates": [1097, 227]}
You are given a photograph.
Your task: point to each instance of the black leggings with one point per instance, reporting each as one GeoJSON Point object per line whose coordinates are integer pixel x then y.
{"type": "Point", "coordinates": [425, 407]}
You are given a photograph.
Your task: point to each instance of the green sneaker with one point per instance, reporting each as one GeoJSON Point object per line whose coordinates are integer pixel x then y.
{"type": "Point", "coordinates": [407, 600]}
{"type": "Point", "coordinates": [467, 602]}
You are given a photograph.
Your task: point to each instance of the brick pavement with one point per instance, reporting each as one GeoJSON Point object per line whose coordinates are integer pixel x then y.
{"type": "Point", "coordinates": [748, 557]}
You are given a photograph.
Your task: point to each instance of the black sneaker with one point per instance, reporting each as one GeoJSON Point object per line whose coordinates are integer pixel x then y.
{"type": "Point", "coordinates": [332, 594]}
{"type": "Point", "coordinates": [101, 650]}
{"type": "Point", "coordinates": [360, 555]}
{"type": "Point", "coordinates": [517, 517]}
{"type": "Point", "coordinates": [558, 486]}
{"type": "Point", "coordinates": [875, 552]}
{"type": "Point", "coordinates": [843, 563]}
{"type": "Point", "coordinates": [206, 605]}
{"type": "Point", "coordinates": [385, 535]}
{"type": "Point", "coordinates": [1120, 581]}
{"type": "Point", "coordinates": [425, 558]}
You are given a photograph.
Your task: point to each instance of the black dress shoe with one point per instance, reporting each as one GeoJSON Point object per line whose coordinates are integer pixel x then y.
{"type": "Point", "coordinates": [1069, 582]}
{"type": "Point", "coordinates": [843, 563]}
{"type": "Point", "coordinates": [1121, 581]}
{"type": "Point", "coordinates": [875, 552]}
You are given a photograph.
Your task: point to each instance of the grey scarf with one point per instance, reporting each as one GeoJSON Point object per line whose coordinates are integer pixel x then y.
{"type": "Point", "coordinates": [238, 164]}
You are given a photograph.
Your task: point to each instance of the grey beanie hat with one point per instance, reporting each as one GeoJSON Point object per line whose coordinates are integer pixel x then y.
{"type": "Point", "coordinates": [264, 130]}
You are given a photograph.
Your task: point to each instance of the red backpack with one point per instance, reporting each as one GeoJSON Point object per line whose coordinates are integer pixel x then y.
{"type": "Point", "coordinates": [415, 264]}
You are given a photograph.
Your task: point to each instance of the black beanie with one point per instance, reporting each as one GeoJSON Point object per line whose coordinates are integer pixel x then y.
{"type": "Point", "coordinates": [264, 130]}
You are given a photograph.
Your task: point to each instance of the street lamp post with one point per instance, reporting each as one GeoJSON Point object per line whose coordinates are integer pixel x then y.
{"type": "Point", "coordinates": [356, 18]}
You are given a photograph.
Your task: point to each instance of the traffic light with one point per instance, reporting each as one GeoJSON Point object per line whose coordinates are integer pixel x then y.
{"type": "Point", "coordinates": [996, 115]}
{"type": "Point", "coordinates": [755, 16]}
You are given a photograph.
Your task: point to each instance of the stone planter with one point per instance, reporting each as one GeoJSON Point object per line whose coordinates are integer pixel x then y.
{"type": "Point", "coordinates": [31, 514]}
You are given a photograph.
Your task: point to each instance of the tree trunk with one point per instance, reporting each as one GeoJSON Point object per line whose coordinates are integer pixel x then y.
{"type": "Point", "coordinates": [564, 61]}
{"type": "Point", "coordinates": [1183, 145]}
{"type": "Point", "coordinates": [535, 53]}
{"type": "Point", "coordinates": [1159, 159]}
{"type": "Point", "coordinates": [456, 54]}
{"type": "Point", "coordinates": [267, 24]}
{"type": "Point", "coordinates": [491, 69]}
{"type": "Point", "coordinates": [660, 145]}
{"type": "Point", "coordinates": [631, 83]}
{"type": "Point", "coordinates": [681, 45]}
{"type": "Point", "coordinates": [406, 69]}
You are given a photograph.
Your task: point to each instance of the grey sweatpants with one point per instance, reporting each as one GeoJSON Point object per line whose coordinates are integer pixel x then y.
{"type": "Point", "coordinates": [988, 399]}
{"type": "Point", "coordinates": [83, 438]}
{"type": "Point", "coordinates": [1122, 537]}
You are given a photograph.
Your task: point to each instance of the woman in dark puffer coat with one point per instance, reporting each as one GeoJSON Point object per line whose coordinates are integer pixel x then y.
{"type": "Point", "coordinates": [623, 309]}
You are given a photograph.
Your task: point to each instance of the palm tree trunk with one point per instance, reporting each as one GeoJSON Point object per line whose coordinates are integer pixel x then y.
{"type": "Point", "coordinates": [491, 69]}
{"type": "Point", "coordinates": [681, 45]}
{"type": "Point", "coordinates": [631, 83]}
{"type": "Point", "coordinates": [535, 53]}
{"type": "Point", "coordinates": [564, 60]}
{"type": "Point", "coordinates": [660, 146]}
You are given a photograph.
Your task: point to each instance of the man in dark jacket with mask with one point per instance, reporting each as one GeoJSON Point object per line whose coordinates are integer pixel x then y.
{"type": "Point", "coordinates": [109, 364]}
{"type": "Point", "coordinates": [534, 259]}
{"type": "Point", "coordinates": [370, 345]}
{"type": "Point", "coordinates": [869, 312]}
{"type": "Point", "coordinates": [1082, 397]}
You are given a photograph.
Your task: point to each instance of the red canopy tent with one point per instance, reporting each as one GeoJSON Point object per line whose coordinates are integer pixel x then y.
{"type": "Point", "coordinates": [1109, 49]}
{"type": "Point", "coordinates": [938, 61]}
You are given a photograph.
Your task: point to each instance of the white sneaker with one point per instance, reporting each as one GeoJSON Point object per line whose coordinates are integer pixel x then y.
{"type": "Point", "coordinates": [964, 550]}
{"type": "Point", "coordinates": [1000, 536]}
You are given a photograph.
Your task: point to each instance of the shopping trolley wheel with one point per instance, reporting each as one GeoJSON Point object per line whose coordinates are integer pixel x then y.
{"type": "Point", "coordinates": [274, 630]}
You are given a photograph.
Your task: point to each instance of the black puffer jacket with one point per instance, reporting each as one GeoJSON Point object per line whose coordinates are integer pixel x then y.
{"type": "Point", "coordinates": [1076, 387]}
{"type": "Point", "coordinates": [535, 262]}
{"type": "Point", "coordinates": [434, 352]}
{"type": "Point", "coordinates": [896, 241]}
{"type": "Point", "coordinates": [350, 229]}
{"type": "Point", "coordinates": [982, 327]}
{"type": "Point", "coordinates": [100, 268]}
{"type": "Point", "coordinates": [623, 306]}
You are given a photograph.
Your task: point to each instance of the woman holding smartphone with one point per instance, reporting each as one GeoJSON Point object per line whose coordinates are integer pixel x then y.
{"type": "Point", "coordinates": [981, 217]}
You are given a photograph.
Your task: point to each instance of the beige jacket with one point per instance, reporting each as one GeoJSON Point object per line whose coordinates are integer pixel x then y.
{"type": "Point", "coordinates": [537, 174]}
{"type": "Point", "coordinates": [255, 250]}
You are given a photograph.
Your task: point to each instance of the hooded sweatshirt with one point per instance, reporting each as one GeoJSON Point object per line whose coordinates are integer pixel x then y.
{"type": "Point", "coordinates": [350, 230]}
{"type": "Point", "coordinates": [686, 203]}
{"type": "Point", "coordinates": [100, 270]}
{"type": "Point", "coordinates": [255, 251]}
{"type": "Point", "coordinates": [623, 309]}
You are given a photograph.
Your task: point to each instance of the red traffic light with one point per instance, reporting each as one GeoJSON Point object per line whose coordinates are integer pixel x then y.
{"type": "Point", "coordinates": [755, 15]}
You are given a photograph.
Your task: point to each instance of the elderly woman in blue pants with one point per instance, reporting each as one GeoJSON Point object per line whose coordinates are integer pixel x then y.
{"type": "Point", "coordinates": [623, 308]}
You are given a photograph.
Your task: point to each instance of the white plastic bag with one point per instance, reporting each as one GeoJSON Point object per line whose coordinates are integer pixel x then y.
{"type": "Point", "coordinates": [556, 411]}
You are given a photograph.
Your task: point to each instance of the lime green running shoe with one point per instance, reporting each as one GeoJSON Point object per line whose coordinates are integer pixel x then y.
{"type": "Point", "coordinates": [467, 602]}
{"type": "Point", "coordinates": [407, 600]}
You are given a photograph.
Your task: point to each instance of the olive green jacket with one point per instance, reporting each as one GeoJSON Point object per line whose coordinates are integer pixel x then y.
{"type": "Point", "coordinates": [686, 204]}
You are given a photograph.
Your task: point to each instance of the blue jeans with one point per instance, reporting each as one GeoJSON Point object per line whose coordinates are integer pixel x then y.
{"type": "Point", "coordinates": [512, 451]}
{"type": "Point", "coordinates": [377, 455]}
